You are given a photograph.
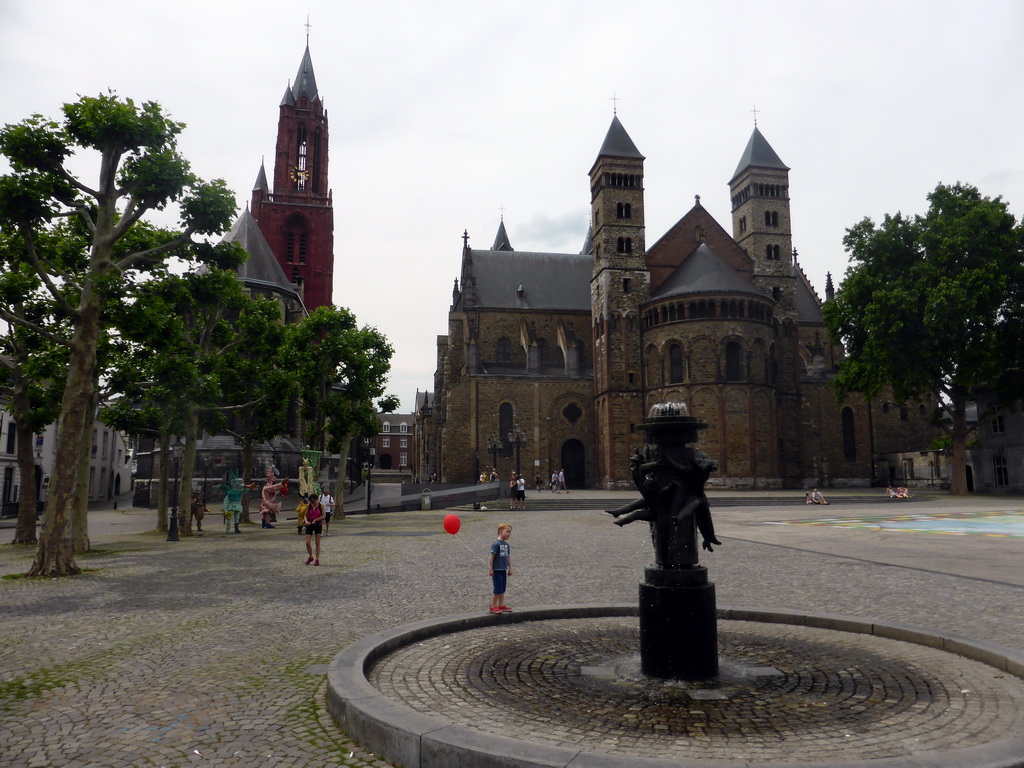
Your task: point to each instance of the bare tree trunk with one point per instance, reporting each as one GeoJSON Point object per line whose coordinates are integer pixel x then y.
{"type": "Point", "coordinates": [25, 532]}
{"type": "Point", "coordinates": [246, 474]}
{"type": "Point", "coordinates": [188, 463]}
{"type": "Point", "coordinates": [55, 555]}
{"type": "Point", "coordinates": [80, 514]}
{"type": "Point", "coordinates": [958, 470]}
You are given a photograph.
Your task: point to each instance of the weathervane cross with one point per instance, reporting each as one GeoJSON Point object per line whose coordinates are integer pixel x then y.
{"type": "Point", "coordinates": [755, 110]}
{"type": "Point", "coordinates": [615, 104]}
{"type": "Point", "coordinates": [308, 27]}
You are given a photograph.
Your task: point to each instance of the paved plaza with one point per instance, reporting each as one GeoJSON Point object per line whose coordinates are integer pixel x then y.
{"type": "Point", "coordinates": [213, 651]}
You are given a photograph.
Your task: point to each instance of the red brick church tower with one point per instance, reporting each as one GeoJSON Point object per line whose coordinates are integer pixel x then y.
{"type": "Point", "coordinates": [296, 216]}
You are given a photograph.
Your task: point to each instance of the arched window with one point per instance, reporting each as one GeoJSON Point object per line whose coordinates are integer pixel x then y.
{"type": "Point", "coordinates": [849, 436]}
{"type": "Point", "coordinates": [733, 365]}
{"type": "Point", "coordinates": [505, 421]}
{"type": "Point", "coordinates": [675, 364]}
{"type": "Point", "coordinates": [296, 240]}
{"type": "Point", "coordinates": [301, 171]}
{"type": "Point", "coordinates": [504, 350]}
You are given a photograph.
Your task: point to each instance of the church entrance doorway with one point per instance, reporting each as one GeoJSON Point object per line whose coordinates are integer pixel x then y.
{"type": "Point", "coordinates": [574, 462]}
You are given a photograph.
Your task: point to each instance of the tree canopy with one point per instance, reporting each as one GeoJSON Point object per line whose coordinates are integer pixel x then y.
{"type": "Point", "coordinates": [107, 249]}
{"type": "Point", "coordinates": [931, 306]}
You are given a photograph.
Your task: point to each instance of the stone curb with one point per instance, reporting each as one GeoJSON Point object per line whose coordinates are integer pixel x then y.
{"type": "Point", "coordinates": [414, 740]}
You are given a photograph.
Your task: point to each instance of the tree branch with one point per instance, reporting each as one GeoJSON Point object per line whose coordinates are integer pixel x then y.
{"type": "Point", "coordinates": [37, 265]}
{"type": "Point", "coordinates": [45, 333]}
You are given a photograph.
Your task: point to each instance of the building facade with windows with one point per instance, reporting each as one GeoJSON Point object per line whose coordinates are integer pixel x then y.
{"type": "Point", "coordinates": [393, 448]}
{"type": "Point", "coordinates": [552, 359]}
{"type": "Point", "coordinates": [110, 463]}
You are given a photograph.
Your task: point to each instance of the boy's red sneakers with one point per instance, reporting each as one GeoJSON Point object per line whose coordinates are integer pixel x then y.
{"type": "Point", "coordinates": [504, 608]}
{"type": "Point", "coordinates": [495, 609]}
{"type": "Point", "coordinates": [309, 560]}
{"type": "Point", "coordinates": [317, 562]}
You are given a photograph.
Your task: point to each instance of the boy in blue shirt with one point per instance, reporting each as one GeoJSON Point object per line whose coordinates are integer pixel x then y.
{"type": "Point", "coordinates": [499, 565]}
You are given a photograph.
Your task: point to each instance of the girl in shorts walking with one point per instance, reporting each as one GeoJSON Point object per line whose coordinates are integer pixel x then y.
{"type": "Point", "coordinates": [314, 527]}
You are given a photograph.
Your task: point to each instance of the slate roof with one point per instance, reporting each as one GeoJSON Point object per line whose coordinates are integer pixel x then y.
{"type": "Point", "coordinates": [305, 82]}
{"type": "Point", "coordinates": [588, 242]}
{"type": "Point", "coordinates": [704, 272]}
{"type": "Point", "coordinates": [261, 267]}
{"type": "Point", "coordinates": [261, 179]}
{"type": "Point", "coordinates": [618, 144]}
{"type": "Point", "coordinates": [556, 281]}
{"type": "Point", "coordinates": [808, 308]}
{"type": "Point", "coordinates": [759, 154]}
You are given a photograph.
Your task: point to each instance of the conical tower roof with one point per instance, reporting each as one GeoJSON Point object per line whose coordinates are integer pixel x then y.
{"type": "Point", "coordinates": [261, 179]}
{"type": "Point", "coordinates": [305, 80]}
{"type": "Point", "coordinates": [758, 154]}
{"type": "Point", "coordinates": [501, 242]}
{"type": "Point", "coordinates": [617, 142]}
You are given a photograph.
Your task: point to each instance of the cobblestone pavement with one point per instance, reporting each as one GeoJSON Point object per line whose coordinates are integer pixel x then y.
{"type": "Point", "coordinates": [212, 651]}
{"type": "Point", "coordinates": [784, 692]}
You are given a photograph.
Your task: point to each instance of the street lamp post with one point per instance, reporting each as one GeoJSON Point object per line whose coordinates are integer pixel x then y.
{"type": "Point", "coordinates": [493, 446]}
{"type": "Point", "coordinates": [206, 476]}
{"type": "Point", "coordinates": [517, 438]}
{"type": "Point", "coordinates": [172, 527]}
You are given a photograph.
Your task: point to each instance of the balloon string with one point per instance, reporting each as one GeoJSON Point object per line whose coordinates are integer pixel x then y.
{"type": "Point", "coordinates": [456, 536]}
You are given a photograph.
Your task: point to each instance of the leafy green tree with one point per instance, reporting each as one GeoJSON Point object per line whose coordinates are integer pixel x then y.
{"type": "Point", "coordinates": [33, 364]}
{"type": "Point", "coordinates": [140, 171]}
{"type": "Point", "coordinates": [342, 371]}
{"type": "Point", "coordinates": [257, 381]}
{"type": "Point", "coordinates": [931, 306]}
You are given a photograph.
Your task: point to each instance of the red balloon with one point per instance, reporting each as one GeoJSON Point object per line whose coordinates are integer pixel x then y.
{"type": "Point", "coordinates": [452, 523]}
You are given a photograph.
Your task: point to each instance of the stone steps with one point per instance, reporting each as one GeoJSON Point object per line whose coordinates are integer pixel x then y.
{"type": "Point", "coordinates": [546, 502]}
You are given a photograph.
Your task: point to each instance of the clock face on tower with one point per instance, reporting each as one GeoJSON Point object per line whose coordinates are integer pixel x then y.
{"type": "Point", "coordinates": [299, 175]}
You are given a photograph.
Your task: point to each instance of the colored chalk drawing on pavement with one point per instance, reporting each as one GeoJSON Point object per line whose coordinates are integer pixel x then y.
{"type": "Point", "coordinates": [1009, 523]}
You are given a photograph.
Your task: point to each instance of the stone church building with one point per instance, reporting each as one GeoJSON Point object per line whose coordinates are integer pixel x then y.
{"type": "Point", "coordinates": [552, 359]}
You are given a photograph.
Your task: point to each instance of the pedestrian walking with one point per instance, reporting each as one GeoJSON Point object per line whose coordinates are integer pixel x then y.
{"type": "Point", "coordinates": [314, 528]}
{"type": "Point", "coordinates": [521, 491]}
{"type": "Point", "coordinates": [198, 510]}
{"type": "Point", "coordinates": [499, 566]}
{"type": "Point", "coordinates": [327, 502]}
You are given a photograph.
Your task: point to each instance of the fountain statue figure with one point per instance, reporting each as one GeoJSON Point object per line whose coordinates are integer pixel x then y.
{"type": "Point", "coordinates": [670, 476]}
{"type": "Point", "coordinates": [678, 621]}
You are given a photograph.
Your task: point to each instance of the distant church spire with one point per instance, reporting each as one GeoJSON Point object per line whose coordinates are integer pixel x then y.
{"type": "Point", "coordinates": [501, 242]}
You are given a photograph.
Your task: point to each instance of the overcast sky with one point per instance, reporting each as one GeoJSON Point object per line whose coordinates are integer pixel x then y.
{"type": "Point", "coordinates": [444, 112]}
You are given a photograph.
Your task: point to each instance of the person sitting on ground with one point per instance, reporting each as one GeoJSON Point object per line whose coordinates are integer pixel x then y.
{"type": "Point", "coordinates": [890, 492]}
{"type": "Point", "coordinates": [817, 498]}
{"type": "Point", "coordinates": [902, 492]}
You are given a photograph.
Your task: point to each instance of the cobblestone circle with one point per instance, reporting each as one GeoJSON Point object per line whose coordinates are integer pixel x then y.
{"type": "Point", "coordinates": [576, 683]}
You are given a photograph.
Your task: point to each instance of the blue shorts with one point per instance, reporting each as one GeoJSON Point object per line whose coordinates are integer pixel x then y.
{"type": "Point", "coordinates": [500, 579]}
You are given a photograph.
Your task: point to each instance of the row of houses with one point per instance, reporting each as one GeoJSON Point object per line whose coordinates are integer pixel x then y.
{"type": "Point", "coordinates": [111, 463]}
